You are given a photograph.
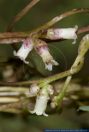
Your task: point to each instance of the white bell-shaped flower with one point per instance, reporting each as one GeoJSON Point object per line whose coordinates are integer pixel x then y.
{"type": "Point", "coordinates": [42, 100]}
{"type": "Point", "coordinates": [43, 51]}
{"type": "Point", "coordinates": [24, 50]}
{"type": "Point", "coordinates": [62, 33]}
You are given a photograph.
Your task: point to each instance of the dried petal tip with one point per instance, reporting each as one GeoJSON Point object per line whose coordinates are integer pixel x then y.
{"type": "Point", "coordinates": [43, 51]}
{"type": "Point", "coordinates": [62, 33]}
{"type": "Point", "coordinates": [48, 59]}
{"type": "Point", "coordinates": [23, 52]}
{"type": "Point", "coordinates": [75, 35]}
{"type": "Point", "coordinates": [49, 65]}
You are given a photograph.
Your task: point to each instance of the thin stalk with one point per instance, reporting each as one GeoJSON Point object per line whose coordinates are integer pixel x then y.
{"type": "Point", "coordinates": [61, 17]}
{"type": "Point", "coordinates": [22, 13]}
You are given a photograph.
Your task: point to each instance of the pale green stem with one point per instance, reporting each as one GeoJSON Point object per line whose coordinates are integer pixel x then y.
{"type": "Point", "coordinates": [83, 48]}
{"type": "Point", "coordinates": [60, 96]}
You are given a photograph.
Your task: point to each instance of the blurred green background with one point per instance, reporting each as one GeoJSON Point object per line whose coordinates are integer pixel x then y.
{"type": "Point", "coordinates": [41, 13]}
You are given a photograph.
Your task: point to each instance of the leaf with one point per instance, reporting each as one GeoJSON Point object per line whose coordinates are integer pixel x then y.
{"type": "Point", "coordinates": [58, 56]}
{"type": "Point", "coordinates": [84, 108]}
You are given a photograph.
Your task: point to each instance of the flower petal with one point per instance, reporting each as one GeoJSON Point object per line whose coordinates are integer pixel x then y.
{"type": "Point", "coordinates": [24, 50]}
{"type": "Point", "coordinates": [62, 33]}
{"type": "Point", "coordinates": [43, 50]}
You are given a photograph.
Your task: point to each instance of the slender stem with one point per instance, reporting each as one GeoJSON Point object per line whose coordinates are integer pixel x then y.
{"type": "Point", "coordinates": [8, 99]}
{"type": "Point", "coordinates": [15, 106]}
{"type": "Point", "coordinates": [23, 12]}
{"type": "Point", "coordinates": [12, 108]}
{"type": "Point", "coordinates": [14, 37]}
{"type": "Point", "coordinates": [9, 94]}
{"type": "Point", "coordinates": [43, 81]}
{"type": "Point", "coordinates": [60, 96]}
{"type": "Point", "coordinates": [83, 30]}
{"type": "Point", "coordinates": [60, 17]}
{"type": "Point", "coordinates": [14, 91]}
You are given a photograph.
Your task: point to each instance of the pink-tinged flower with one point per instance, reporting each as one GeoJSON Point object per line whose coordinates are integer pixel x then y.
{"type": "Point", "coordinates": [24, 50]}
{"type": "Point", "coordinates": [43, 50]}
{"type": "Point", "coordinates": [42, 100]}
{"type": "Point", "coordinates": [62, 33]}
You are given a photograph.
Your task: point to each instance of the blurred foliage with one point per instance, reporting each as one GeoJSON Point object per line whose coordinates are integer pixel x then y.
{"type": "Point", "coordinates": [63, 52]}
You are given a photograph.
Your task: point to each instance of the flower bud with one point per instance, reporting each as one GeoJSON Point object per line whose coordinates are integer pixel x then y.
{"type": "Point", "coordinates": [50, 90]}
{"type": "Point", "coordinates": [62, 33]}
{"type": "Point", "coordinates": [23, 52]}
{"type": "Point", "coordinates": [43, 51]}
{"type": "Point", "coordinates": [53, 103]}
{"type": "Point", "coordinates": [33, 90]}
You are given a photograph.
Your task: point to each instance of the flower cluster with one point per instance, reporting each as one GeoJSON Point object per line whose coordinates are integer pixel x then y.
{"type": "Point", "coordinates": [41, 47]}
